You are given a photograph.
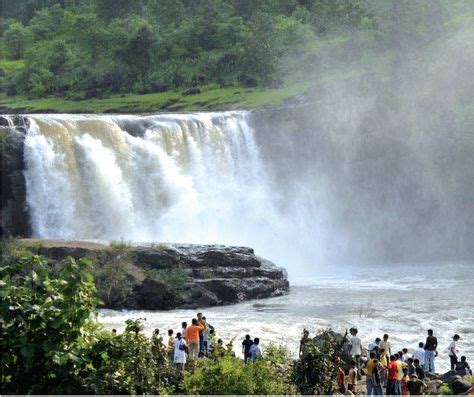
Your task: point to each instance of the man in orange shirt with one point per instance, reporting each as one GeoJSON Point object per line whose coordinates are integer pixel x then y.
{"type": "Point", "coordinates": [392, 378]}
{"type": "Point", "coordinates": [192, 338]}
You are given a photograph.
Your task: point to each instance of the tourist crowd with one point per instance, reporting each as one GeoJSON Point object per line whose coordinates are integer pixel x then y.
{"type": "Point", "coordinates": [396, 372]}
{"type": "Point", "coordinates": [385, 369]}
{"type": "Point", "coordinates": [198, 340]}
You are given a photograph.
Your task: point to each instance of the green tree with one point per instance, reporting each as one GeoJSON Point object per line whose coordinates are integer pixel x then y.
{"type": "Point", "coordinates": [16, 39]}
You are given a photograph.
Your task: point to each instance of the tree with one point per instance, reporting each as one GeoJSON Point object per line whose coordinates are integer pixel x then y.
{"type": "Point", "coordinates": [16, 39]}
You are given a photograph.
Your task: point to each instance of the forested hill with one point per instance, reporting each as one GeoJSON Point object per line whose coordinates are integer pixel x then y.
{"type": "Point", "coordinates": [99, 55]}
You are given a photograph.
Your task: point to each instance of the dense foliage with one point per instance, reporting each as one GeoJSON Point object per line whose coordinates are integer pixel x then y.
{"type": "Point", "coordinates": [52, 344]}
{"type": "Point", "coordinates": [88, 48]}
{"type": "Point", "coordinates": [315, 372]}
{"type": "Point", "coordinates": [228, 374]}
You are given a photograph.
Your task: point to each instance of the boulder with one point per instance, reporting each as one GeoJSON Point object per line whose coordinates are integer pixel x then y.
{"type": "Point", "coordinates": [461, 386]}
{"type": "Point", "coordinates": [214, 274]}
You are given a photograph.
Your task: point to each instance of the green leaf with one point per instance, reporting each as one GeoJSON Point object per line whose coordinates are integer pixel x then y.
{"type": "Point", "coordinates": [28, 351]}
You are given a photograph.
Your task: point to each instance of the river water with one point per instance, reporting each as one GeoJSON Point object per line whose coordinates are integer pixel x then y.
{"type": "Point", "coordinates": [403, 300]}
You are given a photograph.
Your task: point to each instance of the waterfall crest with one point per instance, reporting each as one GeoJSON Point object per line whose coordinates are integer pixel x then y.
{"type": "Point", "coordinates": [195, 178]}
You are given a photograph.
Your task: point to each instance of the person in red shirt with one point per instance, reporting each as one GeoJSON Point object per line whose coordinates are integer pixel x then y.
{"type": "Point", "coordinates": [192, 338]}
{"type": "Point", "coordinates": [392, 377]}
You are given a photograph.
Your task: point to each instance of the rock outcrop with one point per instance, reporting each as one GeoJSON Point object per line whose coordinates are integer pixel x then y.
{"type": "Point", "coordinates": [213, 274]}
{"type": "Point", "coordinates": [14, 214]}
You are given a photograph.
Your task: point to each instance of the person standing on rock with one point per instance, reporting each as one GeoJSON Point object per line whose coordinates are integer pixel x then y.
{"type": "Point", "coordinates": [430, 352]}
{"type": "Point", "coordinates": [355, 350]}
{"type": "Point", "coordinates": [453, 351]}
{"type": "Point", "coordinates": [385, 346]}
{"type": "Point", "coordinates": [192, 338]}
{"type": "Point", "coordinates": [304, 340]}
{"type": "Point", "coordinates": [419, 354]}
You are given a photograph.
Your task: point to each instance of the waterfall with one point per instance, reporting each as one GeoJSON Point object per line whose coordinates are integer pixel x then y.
{"type": "Point", "coordinates": [195, 178]}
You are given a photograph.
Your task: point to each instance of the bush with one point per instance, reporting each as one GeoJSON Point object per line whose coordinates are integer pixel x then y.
{"type": "Point", "coordinates": [315, 372]}
{"type": "Point", "coordinates": [129, 363]}
{"type": "Point", "coordinates": [115, 274]}
{"type": "Point", "coordinates": [229, 375]}
{"type": "Point", "coordinates": [43, 323]}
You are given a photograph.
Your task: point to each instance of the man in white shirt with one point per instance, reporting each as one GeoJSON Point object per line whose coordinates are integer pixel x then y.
{"type": "Point", "coordinates": [385, 346]}
{"type": "Point", "coordinates": [374, 347]}
{"type": "Point", "coordinates": [419, 353]}
{"type": "Point", "coordinates": [355, 349]}
{"type": "Point", "coordinates": [453, 351]}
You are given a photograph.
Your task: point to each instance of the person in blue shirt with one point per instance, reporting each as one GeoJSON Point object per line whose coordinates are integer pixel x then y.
{"type": "Point", "coordinates": [246, 345]}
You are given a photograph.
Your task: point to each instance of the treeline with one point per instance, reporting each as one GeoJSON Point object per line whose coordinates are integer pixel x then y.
{"type": "Point", "coordinates": [87, 48]}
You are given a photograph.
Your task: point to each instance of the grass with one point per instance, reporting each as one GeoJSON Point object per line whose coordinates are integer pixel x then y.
{"type": "Point", "coordinates": [210, 98]}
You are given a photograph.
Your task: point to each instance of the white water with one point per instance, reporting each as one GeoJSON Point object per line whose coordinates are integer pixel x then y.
{"type": "Point", "coordinates": [194, 178]}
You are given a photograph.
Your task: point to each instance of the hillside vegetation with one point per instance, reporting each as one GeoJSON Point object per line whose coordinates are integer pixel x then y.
{"type": "Point", "coordinates": [147, 55]}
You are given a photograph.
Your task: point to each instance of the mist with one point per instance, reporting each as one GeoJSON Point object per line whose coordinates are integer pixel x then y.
{"type": "Point", "coordinates": [378, 167]}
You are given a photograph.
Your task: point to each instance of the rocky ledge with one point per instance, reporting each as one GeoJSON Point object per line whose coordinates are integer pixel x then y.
{"type": "Point", "coordinates": [212, 274]}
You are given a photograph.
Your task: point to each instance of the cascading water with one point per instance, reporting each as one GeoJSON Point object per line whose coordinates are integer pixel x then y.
{"type": "Point", "coordinates": [194, 178]}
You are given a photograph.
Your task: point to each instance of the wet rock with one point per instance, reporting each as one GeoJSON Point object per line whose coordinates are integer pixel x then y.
{"type": "Point", "coordinates": [459, 385]}
{"type": "Point", "coordinates": [14, 213]}
{"type": "Point", "coordinates": [215, 274]}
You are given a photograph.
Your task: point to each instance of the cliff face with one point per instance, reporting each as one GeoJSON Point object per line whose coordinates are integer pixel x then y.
{"type": "Point", "coordinates": [214, 274]}
{"type": "Point", "coordinates": [14, 214]}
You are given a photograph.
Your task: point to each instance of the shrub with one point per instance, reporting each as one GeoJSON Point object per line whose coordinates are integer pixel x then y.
{"type": "Point", "coordinates": [129, 363]}
{"type": "Point", "coordinates": [315, 372]}
{"type": "Point", "coordinates": [174, 278]}
{"type": "Point", "coordinates": [115, 274]}
{"type": "Point", "coordinates": [228, 374]}
{"type": "Point", "coordinates": [43, 323]}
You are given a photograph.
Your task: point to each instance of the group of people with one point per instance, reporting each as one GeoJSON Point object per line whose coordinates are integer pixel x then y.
{"type": "Point", "coordinates": [398, 372]}
{"type": "Point", "coordinates": [198, 340]}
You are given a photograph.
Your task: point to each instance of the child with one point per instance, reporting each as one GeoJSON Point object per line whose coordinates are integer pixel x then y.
{"type": "Point", "coordinates": [404, 382]}
{"type": "Point", "coordinates": [411, 367]}
{"type": "Point", "coordinates": [352, 378]}
{"type": "Point", "coordinates": [341, 380]}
